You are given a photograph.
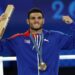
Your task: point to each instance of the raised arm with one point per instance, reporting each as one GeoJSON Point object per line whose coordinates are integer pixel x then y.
{"type": "Point", "coordinates": [70, 44]}
{"type": "Point", "coordinates": [4, 19]}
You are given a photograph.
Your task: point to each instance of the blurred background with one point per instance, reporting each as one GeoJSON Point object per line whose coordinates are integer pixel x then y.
{"type": "Point", "coordinates": [53, 10]}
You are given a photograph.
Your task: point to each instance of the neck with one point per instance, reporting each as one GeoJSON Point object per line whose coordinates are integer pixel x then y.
{"type": "Point", "coordinates": [36, 31]}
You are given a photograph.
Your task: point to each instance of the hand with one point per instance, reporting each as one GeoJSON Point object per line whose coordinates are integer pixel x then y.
{"type": "Point", "coordinates": [67, 19]}
{"type": "Point", "coordinates": [3, 17]}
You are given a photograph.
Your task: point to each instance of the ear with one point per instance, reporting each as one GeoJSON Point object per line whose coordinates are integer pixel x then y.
{"type": "Point", "coordinates": [43, 20]}
{"type": "Point", "coordinates": [27, 21]}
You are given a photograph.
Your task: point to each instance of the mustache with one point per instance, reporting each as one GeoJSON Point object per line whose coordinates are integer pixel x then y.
{"type": "Point", "coordinates": [36, 22]}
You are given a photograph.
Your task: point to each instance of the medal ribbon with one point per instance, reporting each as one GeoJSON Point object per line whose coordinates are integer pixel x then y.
{"type": "Point", "coordinates": [38, 41]}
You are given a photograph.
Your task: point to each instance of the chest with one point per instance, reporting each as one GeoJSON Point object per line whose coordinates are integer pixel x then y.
{"type": "Point", "coordinates": [25, 46]}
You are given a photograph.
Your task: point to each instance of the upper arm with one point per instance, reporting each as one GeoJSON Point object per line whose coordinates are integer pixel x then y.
{"type": "Point", "coordinates": [69, 43]}
{"type": "Point", "coordinates": [6, 47]}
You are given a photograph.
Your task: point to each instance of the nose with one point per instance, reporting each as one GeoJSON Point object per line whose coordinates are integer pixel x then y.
{"type": "Point", "coordinates": [36, 19]}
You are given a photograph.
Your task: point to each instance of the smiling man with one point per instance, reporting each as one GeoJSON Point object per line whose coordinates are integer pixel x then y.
{"type": "Point", "coordinates": [35, 20]}
{"type": "Point", "coordinates": [37, 50]}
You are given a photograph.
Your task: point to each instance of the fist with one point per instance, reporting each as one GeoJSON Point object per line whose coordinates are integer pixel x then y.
{"type": "Point", "coordinates": [67, 19]}
{"type": "Point", "coordinates": [3, 17]}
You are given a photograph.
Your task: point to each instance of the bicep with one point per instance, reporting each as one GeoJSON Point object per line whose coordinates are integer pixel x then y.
{"type": "Point", "coordinates": [6, 48]}
{"type": "Point", "coordinates": [69, 44]}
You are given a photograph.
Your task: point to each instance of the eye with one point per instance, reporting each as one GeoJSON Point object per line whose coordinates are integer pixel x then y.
{"type": "Point", "coordinates": [32, 18]}
{"type": "Point", "coordinates": [40, 17]}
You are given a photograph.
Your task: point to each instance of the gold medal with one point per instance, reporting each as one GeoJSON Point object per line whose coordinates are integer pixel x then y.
{"type": "Point", "coordinates": [38, 46]}
{"type": "Point", "coordinates": [42, 66]}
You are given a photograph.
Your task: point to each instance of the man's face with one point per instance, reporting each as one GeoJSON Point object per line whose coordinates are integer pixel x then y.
{"type": "Point", "coordinates": [35, 21]}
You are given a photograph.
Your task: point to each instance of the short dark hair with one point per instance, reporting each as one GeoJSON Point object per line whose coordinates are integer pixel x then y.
{"type": "Point", "coordinates": [34, 10]}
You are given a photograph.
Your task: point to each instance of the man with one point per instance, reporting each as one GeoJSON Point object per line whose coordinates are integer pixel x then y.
{"type": "Point", "coordinates": [37, 50]}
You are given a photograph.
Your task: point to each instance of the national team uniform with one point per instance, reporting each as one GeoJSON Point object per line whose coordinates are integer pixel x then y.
{"type": "Point", "coordinates": [23, 47]}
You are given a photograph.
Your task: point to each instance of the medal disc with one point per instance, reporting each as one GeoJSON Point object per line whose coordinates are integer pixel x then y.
{"type": "Point", "coordinates": [42, 66]}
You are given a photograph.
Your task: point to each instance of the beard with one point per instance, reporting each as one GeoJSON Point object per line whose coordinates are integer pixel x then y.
{"type": "Point", "coordinates": [36, 29]}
